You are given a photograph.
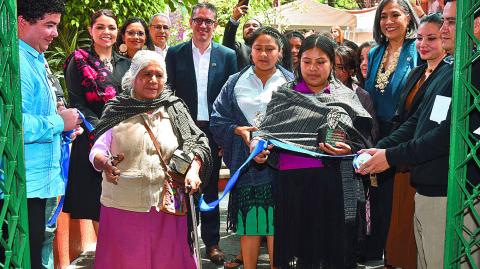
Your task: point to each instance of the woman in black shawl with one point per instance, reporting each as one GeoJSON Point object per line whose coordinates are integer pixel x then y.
{"type": "Point", "coordinates": [316, 201]}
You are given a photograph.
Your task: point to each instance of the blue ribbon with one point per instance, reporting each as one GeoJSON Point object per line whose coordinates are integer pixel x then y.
{"type": "Point", "coordinates": [262, 144]}
{"type": "Point", "coordinates": [65, 161]}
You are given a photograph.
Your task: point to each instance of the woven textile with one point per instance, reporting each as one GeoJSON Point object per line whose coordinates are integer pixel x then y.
{"type": "Point", "coordinates": [190, 138]}
{"type": "Point", "coordinates": [299, 119]}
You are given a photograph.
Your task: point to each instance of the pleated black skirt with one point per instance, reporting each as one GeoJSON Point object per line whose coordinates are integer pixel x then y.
{"type": "Point", "coordinates": [310, 226]}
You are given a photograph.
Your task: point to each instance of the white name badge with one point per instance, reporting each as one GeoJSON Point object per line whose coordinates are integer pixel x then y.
{"type": "Point", "coordinates": [440, 108]}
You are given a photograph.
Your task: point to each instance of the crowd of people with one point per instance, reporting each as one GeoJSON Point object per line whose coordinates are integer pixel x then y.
{"type": "Point", "coordinates": [151, 104]}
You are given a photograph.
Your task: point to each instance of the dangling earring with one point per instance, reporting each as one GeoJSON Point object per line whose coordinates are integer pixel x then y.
{"type": "Point", "coordinates": [122, 49]}
{"type": "Point", "coordinates": [144, 47]}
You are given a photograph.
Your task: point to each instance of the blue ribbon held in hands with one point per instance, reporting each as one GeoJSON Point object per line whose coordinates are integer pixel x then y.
{"type": "Point", "coordinates": [262, 144]}
{"type": "Point", "coordinates": [65, 160]}
{"type": "Point", "coordinates": [204, 207]}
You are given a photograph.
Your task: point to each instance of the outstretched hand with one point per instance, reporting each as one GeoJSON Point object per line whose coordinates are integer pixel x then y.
{"type": "Point", "coordinates": [376, 164]}
{"type": "Point", "coordinates": [339, 149]}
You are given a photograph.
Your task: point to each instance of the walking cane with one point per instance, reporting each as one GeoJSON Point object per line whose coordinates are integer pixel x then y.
{"type": "Point", "coordinates": [196, 245]}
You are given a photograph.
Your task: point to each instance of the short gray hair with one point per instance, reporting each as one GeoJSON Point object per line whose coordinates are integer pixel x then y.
{"type": "Point", "coordinates": [160, 15]}
{"type": "Point", "coordinates": [141, 60]}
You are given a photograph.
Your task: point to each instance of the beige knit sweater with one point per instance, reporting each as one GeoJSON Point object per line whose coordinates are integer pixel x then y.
{"type": "Point", "coordinates": [141, 175]}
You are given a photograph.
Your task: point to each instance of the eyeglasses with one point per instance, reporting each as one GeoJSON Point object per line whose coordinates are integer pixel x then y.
{"type": "Point", "coordinates": [134, 33]}
{"type": "Point", "coordinates": [200, 21]}
{"type": "Point", "coordinates": [160, 27]}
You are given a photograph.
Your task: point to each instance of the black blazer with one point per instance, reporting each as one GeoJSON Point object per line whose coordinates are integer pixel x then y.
{"type": "Point", "coordinates": [181, 73]}
{"type": "Point", "coordinates": [401, 114]}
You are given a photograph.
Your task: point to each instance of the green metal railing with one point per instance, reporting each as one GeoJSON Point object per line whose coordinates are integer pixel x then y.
{"type": "Point", "coordinates": [13, 211]}
{"type": "Point", "coordinates": [463, 236]}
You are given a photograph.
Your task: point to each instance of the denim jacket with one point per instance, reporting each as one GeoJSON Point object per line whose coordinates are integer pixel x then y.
{"type": "Point", "coordinates": [42, 127]}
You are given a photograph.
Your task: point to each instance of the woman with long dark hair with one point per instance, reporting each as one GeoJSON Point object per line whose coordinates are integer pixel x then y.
{"type": "Point", "coordinates": [236, 112]}
{"type": "Point", "coordinates": [93, 77]}
{"type": "Point", "coordinates": [295, 40]}
{"type": "Point", "coordinates": [362, 61]}
{"type": "Point", "coordinates": [316, 200]}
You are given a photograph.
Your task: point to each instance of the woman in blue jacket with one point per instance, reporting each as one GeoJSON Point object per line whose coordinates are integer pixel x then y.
{"type": "Point", "coordinates": [389, 64]}
{"type": "Point", "coordinates": [238, 109]}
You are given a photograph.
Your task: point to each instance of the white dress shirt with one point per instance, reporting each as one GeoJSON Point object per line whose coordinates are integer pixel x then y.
{"type": "Point", "coordinates": [163, 52]}
{"type": "Point", "coordinates": [202, 65]}
{"type": "Point", "coordinates": [252, 96]}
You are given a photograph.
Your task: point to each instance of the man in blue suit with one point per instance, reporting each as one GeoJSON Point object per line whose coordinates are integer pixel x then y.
{"type": "Point", "coordinates": [197, 70]}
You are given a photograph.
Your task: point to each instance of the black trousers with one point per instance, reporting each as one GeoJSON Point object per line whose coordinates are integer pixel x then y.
{"type": "Point", "coordinates": [211, 220]}
{"type": "Point", "coordinates": [380, 213]}
{"type": "Point", "coordinates": [380, 206]}
{"type": "Point", "coordinates": [36, 231]}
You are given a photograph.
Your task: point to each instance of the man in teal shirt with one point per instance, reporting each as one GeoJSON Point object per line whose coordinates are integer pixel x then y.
{"type": "Point", "coordinates": [43, 122]}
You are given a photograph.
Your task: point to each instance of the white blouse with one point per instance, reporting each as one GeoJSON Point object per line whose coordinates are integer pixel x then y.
{"type": "Point", "coordinates": [252, 96]}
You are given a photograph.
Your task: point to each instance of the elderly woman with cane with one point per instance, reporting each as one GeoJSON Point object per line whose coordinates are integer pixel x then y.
{"type": "Point", "coordinates": [140, 137]}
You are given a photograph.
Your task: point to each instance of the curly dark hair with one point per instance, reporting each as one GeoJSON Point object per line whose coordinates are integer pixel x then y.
{"type": "Point", "coordinates": [34, 10]}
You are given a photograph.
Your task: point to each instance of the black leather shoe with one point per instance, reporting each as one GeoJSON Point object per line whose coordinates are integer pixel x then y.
{"type": "Point", "coordinates": [215, 254]}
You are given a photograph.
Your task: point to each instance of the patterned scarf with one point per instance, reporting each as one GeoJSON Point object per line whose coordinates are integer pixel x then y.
{"type": "Point", "coordinates": [190, 138]}
{"type": "Point", "coordinates": [96, 76]}
{"type": "Point", "coordinates": [299, 120]}
{"type": "Point", "coordinates": [124, 106]}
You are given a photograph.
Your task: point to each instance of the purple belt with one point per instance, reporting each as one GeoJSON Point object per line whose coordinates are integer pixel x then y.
{"type": "Point", "coordinates": [291, 161]}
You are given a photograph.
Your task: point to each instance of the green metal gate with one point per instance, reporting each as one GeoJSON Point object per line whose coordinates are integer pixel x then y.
{"type": "Point", "coordinates": [13, 214]}
{"type": "Point", "coordinates": [462, 238]}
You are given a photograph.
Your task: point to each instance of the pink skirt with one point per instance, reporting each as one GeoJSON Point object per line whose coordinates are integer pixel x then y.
{"type": "Point", "coordinates": [149, 240]}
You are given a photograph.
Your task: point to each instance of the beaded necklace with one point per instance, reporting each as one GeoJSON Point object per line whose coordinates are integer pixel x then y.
{"type": "Point", "coordinates": [383, 75]}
